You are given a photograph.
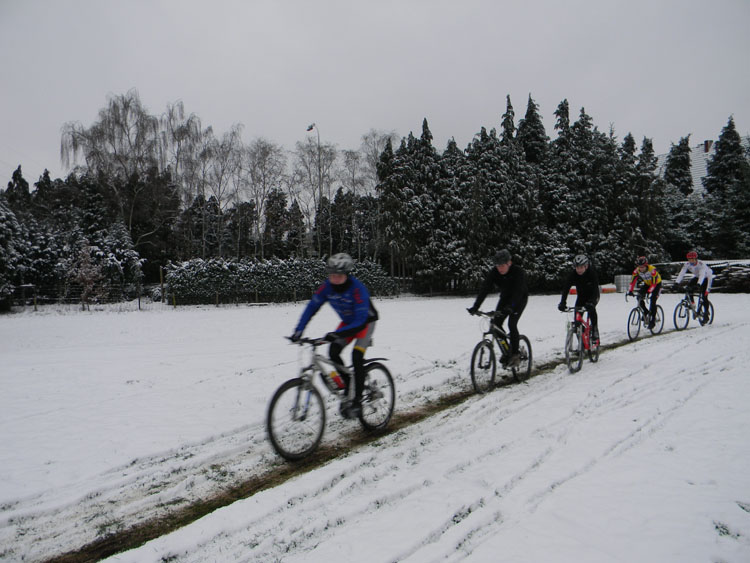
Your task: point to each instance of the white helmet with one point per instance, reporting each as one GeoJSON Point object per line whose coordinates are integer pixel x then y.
{"type": "Point", "coordinates": [340, 263]}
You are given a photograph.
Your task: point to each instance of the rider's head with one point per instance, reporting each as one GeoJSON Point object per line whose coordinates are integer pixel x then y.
{"type": "Point", "coordinates": [502, 261]}
{"type": "Point", "coordinates": [338, 268]}
{"type": "Point", "coordinates": [692, 256]}
{"type": "Point", "coordinates": [580, 263]}
{"type": "Point", "coordinates": [642, 263]}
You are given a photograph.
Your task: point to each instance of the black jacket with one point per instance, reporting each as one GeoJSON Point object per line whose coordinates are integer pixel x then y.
{"type": "Point", "coordinates": [587, 285]}
{"type": "Point", "coordinates": [514, 291]}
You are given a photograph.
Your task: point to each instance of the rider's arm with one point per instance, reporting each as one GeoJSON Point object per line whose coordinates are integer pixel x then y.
{"type": "Point", "coordinates": [682, 273]}
{"type": "Point", "coordinates": [567, 284]}
{"type": "Point", "coordinates": [633, 280]}
{"type": "Point", "coordinates": [319, 297]}
{"type": "Point", "coordinates": [484, 290]}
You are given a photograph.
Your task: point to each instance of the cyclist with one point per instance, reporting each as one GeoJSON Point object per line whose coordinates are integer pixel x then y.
{"type": "Point", "coordinates": [584, 277]}
{"type": "Point", "coordinates": [651, 284]}
{"type": "Point", "coordinates": [514, 294]}
{"type": "Point", "coordinates": [351, 300]}
{"type": "Point", "coordinates": [702, 275]}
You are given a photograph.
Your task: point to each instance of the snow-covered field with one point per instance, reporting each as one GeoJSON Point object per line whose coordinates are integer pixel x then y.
{"type": "Point", "coordinates": [108, 419]}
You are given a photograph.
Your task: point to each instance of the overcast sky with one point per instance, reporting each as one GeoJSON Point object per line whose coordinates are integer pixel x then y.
{"type": "Point", "coordinates": [661, 69]}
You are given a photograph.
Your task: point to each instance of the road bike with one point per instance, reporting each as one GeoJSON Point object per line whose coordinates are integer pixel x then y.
{"type": "Point", "coordinates": [640, 315]}
{"type": "Point", "coordinates": [687, 308]}
{"type": "Point", "coordinates": [297, 416]}
{"type": "Point", "coordinates": [578, 339]}
{"type": "Point", "coordinates": [484, 359]}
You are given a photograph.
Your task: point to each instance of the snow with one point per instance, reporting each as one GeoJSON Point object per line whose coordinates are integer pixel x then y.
{"type": "Point", "coordinates": [110, 418]}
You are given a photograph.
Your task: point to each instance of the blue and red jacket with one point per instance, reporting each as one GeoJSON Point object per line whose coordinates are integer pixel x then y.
{"type": "Point", "coordinates": [350, 300]}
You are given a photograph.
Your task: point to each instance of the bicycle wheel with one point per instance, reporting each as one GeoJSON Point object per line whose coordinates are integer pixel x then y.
{"type": "Point", "coordinates": [593, 351]}
{"type": "Point", "coordinates": [634, 323]}
{"type": "Point", "coordinates": [296, 419]}
{"type": "Point", "coordinates": [710, 318]}
{"type": "Point", "coordinates": [659, 321]}
{"type": "Point", "coordinates": [574, 349]}
{"type": "Point", "coordinates": [378, 397]}
{"type": "Point", "coordinates": [681, 316]}
{"type": "Point", "coordinates": [483, 367]}
{"type": "Point", "coordinates": [523, 370]}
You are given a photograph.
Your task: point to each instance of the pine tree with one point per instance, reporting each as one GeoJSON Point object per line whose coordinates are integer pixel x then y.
{"type": "Point", "coordinates": [677, 168]}
{"type": "Point", "coordinates": [728, 196]}
{"type": "Point", "coordinates": [531, 134]}
{"type": "Point", "coordinates": [13, 248]}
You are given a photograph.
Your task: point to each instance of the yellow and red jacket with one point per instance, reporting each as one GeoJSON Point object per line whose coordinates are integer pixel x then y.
{"type": "Point", "coordinates": [650, 278]}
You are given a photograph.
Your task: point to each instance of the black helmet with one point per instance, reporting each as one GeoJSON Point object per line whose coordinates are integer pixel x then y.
{"type": "Point", "coordinates": [641, 261]}
{"type": "Point", "coordinates": [580, 260]}
{"type": "Point", "coordinates": [502, 257]}
{"type": "Point", "coordinates": [340, 263]}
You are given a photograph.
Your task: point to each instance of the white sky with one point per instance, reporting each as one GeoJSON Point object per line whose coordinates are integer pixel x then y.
{"type": "Point", "coordinates": [658, 69]}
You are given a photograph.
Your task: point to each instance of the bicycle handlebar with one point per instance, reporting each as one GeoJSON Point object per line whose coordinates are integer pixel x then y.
{"type": "Point", "coordinates": [312, 341]}
{"type": "Point", "coordinates": [573, 309]}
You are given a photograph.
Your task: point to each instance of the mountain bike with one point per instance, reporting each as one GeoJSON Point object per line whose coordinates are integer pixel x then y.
{"type": "Point", "coordinates": [640, 315]}
{"type": "Point", "coordinates": [686, 308]}
{"type": "Point", "coordinates": [483, 359]}
{"type": "Point", "coordinates": [296, 414]}
{"type": "Point", "coordinates": [578, 339]}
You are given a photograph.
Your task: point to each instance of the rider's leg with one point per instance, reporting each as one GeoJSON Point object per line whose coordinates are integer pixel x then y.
{"type": "Point", "coordinates": [654, 298]}
{"type": "Point", "coordinates": [642, 292]}
{"type": "Point", "coordinates": [363, 341]}
{"type": "Point", "coordinates": [589, 303]}
{"type": "Point", "coordinates": [513, 318]}
{"type": "Point", "coordinates": [704, 295]}
{"type": "Point", "coordinates": [691, 287]}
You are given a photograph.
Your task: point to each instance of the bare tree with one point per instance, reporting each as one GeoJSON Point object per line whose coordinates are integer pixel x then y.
{"type": "Point", "coordinates": [222, 173]}
{"type": "Point", "coordinates": [264, 164]}
{"type": "Point", "coordinates": [315, 165]}
{"type": "Point", "coordinates": [373, 144]}
{"type": "Point", "coordinates": [180, 137]}
{"type": "Point", "coordinates": [124, 141]}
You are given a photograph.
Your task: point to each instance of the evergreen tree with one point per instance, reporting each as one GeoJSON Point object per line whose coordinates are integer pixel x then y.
{"type": "Point", "coordinates": [13, 248]}
{"type": "Point", "coordinates": [296, 230]}
{"type": "Point", "coordinates": [531, 134]}
{"type": "Point", "coordinates": [276, 222]}
{"type": "Point", "coordinates": [727, 197]}
{"type": "Point", "coordinates": [508, 123]}
{"type": "Point", "coordinates": [17, 196]}
{"type": "Point", "coordinates": [343, 222]}
{"type": "Point", "coordinates": [677, 168]}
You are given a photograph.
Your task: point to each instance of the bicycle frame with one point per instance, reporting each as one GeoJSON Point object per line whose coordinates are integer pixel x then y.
{"type": "Point", "coordinates": [498, 334]}
{"type": "Point", "coordinates": [694, 306]}
{"type": "Point", "coordinates": [322, 366]}
{"type": "Point", "coordinates": [579, 319]}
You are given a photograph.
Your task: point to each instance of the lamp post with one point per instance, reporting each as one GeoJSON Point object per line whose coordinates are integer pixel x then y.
{"type": "Point", "coordinates": [320, 179]}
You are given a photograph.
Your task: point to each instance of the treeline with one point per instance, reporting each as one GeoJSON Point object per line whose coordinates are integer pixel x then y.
{"type": "Point", "coordinates": [148, 191]}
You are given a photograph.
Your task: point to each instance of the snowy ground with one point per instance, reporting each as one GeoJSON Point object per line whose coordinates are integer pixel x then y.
{"type": "Point", "coordinates": [109, 419]}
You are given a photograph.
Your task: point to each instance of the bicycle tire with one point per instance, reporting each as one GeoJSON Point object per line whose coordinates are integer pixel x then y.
{"type": "Point", "coordinates": [378, 397]}
{"type": "Point", "coordinates": [710, 319]}
{"type": "Point", "coordinates": [681, 315]}
{"type": "Point", "coordinates": [483, 367]}
{"type": "Point", "coordinates": [523, 371]}
{"type": "Point", "coordinates": [574, 349]}
{"type": "Point", "coordinates": [293, 434]}
{"type": "Point", "coordinates": [634, 323]}
{"type": "Point", "coordinates": [659, 321]}
{"type": "Point", "coordinates": [594, 349]}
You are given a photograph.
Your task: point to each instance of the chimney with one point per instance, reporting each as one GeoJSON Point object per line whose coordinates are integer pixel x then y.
{"type": "Point", "coordinates": [707, 146]}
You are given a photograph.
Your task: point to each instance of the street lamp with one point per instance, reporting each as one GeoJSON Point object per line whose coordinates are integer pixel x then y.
{"type": "Point", "coordinates": [320, 178]}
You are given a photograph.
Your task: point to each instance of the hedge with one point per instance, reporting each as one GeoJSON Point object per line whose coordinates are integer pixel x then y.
{"type": "Point", "coordinates": [218, 281]}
